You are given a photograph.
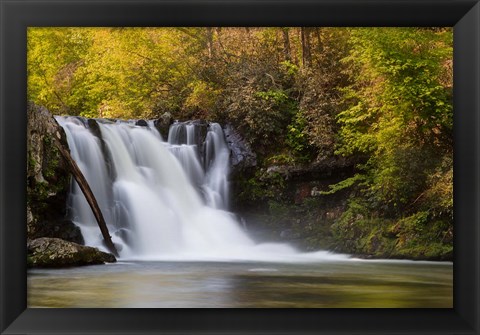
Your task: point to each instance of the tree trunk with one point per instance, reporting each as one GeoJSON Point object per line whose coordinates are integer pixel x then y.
{"type": "Point", "coordinates": [306, 54]}
{"type": "Point", "coordinates": [87, 191]}
{"type": "Point", "coordinates": [211, 52]}
{"type": "Point", "coordinates": [319, 41]}
{"type": "Point", "coordinates": [286, 45]}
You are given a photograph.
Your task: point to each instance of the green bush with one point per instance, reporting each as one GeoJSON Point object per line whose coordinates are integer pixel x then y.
{"type": "Point", "coordinates": [262, 187]}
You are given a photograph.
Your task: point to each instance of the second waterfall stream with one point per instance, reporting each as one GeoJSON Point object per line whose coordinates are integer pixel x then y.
{"type": "Point", "coordinates": [163, 199]}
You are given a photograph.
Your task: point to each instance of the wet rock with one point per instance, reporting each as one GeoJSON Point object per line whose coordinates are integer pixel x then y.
{"type": "Point", "coordinates": [242, 156]}
{"type": "Point", "coordinates": [125, 234]}
{"type": "Point", "coordinates": [41, 130]}
{"type": "Point", "coordinates": [54, 252]}
{"type": "Point", "coordinates": [63, 229]}
{"type": "Point", "coordinates": [48, 179]}
{"type": "Point", "coordinates": [179, 131]}
{"type": "Point", "coordinates": [201, 130]}
{"type": "Point", "coordinates": [163, 124]}
{"type": "Point", "coordinates": [94, 128]}
{"type": "Point", "coordinates": [141, 123]}
{"type": "Point", "coordinates": [278, 169]}
{"type": "Point", "coordinates": [331, 167]}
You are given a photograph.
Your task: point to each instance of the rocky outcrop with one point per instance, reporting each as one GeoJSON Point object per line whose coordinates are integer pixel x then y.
{"type": "Point", "coordinates": [163, 124]}
{"type": "Point", "coordinates": [57, 227]}
{"type": "Point", "coordinates": [48, 179]}
{"type": "Point", "coordinates": [179, 132]}
{"type": "Point", "coordinates": [331, 167]}
{"type": "Point", "coordinates": [93, 126]}
{"type": "Point", "coordinates": [95, 130]}
{"type": "Point", "coordinates": [242, 157]}
{"type": "Point", "coordinates": [55, 253]}
{"type": "Point", "coordinates": [141, 123]}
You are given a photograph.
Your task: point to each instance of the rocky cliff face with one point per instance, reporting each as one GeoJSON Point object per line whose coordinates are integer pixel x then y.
{"type": "Point", "coordinates": [48, 180]}
{"type": "Point", "coordinates": [241, 155]}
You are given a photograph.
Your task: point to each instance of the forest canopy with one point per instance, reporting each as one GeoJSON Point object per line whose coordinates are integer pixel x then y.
{"type": "Point", "coordinates": [381, 97]}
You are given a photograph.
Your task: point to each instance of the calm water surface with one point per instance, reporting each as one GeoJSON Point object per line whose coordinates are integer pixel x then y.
{"type": "Point", "coordinates": [222, 284]}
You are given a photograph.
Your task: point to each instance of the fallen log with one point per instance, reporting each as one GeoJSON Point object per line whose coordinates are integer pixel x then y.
{"type": "Point", "coordinates": [87, 192]}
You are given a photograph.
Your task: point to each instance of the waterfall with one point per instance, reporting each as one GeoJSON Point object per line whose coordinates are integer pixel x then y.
{"type": "Point", "coordinates": [161, 199]}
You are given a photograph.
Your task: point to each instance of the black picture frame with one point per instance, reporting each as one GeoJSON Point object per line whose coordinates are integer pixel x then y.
{"type": "Point", "coordinates": [17, 15]}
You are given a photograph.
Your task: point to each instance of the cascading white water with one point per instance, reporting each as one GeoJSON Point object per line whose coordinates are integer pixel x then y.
{"type": "Point", "coordinates": [163, 200]}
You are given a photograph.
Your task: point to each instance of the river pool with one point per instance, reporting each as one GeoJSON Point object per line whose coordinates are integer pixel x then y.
{"type": "Point", "coordinates": [336, 284]}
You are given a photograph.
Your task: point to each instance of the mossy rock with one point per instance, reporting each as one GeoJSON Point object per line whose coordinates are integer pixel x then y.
{"type": "Point", "coordinates": [57, 253]}
{"type": "Point", "coordinates": [415, 237]}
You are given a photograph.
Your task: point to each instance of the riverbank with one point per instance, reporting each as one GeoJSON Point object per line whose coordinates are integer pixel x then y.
{"type": "Point", "coordinates": [278, 205]}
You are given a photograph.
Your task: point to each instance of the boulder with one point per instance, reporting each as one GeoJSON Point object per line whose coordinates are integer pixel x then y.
{"type": "Point", "coordinates": [141, 123]}
{"type": "Point", "coordinates": [55, 253]}
{"type": "Point", "coordinates": [163, 124]}
{"type": "Point", "coordinates": [63, 228]}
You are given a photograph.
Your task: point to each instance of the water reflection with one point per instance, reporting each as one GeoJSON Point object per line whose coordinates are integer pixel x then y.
{"type": "Point", "coordinates": [196, 284]}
